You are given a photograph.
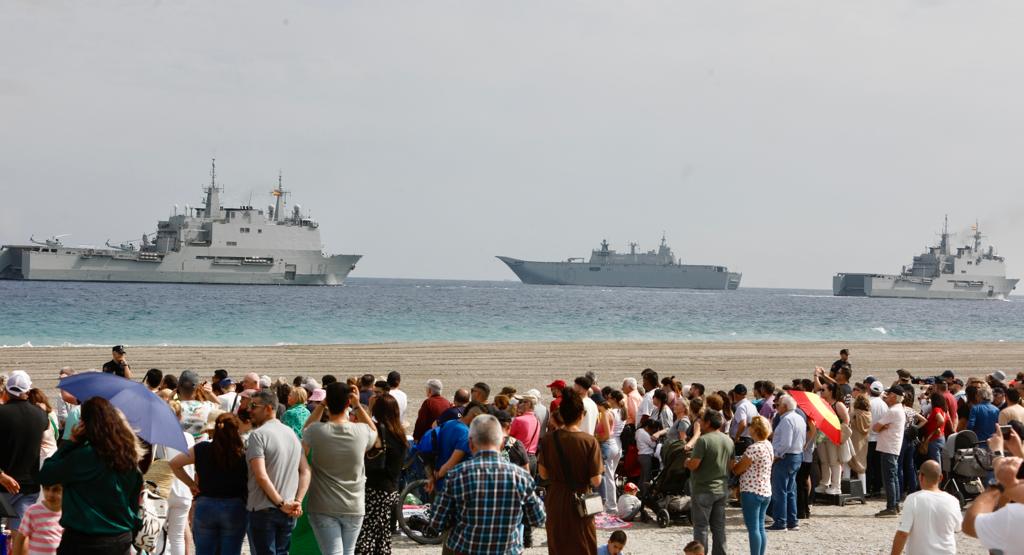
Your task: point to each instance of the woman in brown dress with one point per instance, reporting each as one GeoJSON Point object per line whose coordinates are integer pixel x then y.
{"type": "Point", "coordinates": [567, 531]}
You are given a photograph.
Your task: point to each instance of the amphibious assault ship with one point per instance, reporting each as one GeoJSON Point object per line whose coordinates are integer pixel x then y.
{"type": "Point", "coordinates": [972, 272]}
{"type": "Point", "coordinates": [208, 244]}
{"type": "Point", "coordinates": [608, 268]}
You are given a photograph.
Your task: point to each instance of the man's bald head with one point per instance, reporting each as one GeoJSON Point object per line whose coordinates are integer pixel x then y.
{"type": "Point", "coordinates": [930, 472]}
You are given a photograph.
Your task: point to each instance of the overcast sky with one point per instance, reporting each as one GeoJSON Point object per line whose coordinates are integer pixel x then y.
{"type": "Point", "coordinates": [788, 140]}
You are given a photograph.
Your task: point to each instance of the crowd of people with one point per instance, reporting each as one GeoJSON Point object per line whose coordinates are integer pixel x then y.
{"type": "Point", "coordinates": [268, 459]}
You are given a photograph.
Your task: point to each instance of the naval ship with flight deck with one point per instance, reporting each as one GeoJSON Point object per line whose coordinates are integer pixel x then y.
{"type": "Point", "coordinates": [972, 272]}
{"type": "Point", "coordinates": [208, 244]}
{"type": "Point", "coordinates": [607, 268]}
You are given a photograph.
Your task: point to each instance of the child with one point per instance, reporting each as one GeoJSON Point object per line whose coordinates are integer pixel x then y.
{"type": "Point", "coordinates": [40, 527]}
{"type": "Point", "coordinates": [694, 548]}
{"type": "Point", "coordinates": [616, 543]}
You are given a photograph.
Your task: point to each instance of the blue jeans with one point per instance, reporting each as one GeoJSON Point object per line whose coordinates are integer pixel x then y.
{"type": "Point", "coordinates": [784, 490]}
{"type": "Point", "coordinates": [890, 479]}
{"type": "Point", "coordinates": [219, 525]}
{"type": "Point", "coordinates": [271, 532]}
{"type": "Point", "coordinates": [935, 449]}
{"type": "Point", "coordinates": [754, 508]}
{"type": "Point", "coordinates": [907, 472]}
{"type": "Point", "coordinates": [336, 535]}
{"type": "Point", "coordinates": [20, 502]}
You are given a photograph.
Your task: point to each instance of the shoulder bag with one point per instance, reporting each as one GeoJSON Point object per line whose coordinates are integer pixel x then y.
{"type": "Point", "coordinates": [376, 457]}
{"type": "Point", "coordinates": [587, 504]}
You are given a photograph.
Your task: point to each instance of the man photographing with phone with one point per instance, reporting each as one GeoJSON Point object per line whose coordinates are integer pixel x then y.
{"type": "Point", "coordinates": [118, 365]}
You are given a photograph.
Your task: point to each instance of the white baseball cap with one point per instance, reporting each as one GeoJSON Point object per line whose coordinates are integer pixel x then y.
{"type": "Point", "coordinates": [19, 382]}
{"type": "Point", "coordinates": [877, 387]}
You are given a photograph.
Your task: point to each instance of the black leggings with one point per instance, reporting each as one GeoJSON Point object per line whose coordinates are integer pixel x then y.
{"type": "Point", "coordinates": [77, 543]}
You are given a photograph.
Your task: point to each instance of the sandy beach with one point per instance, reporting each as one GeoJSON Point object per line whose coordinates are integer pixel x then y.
{"type": "Point", "coordinates": [850, 529]}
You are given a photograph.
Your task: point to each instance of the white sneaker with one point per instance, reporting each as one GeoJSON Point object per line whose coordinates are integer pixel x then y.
{"type": "Point", "coordinates": [833, 491]}
{"type": "Point", "coordinates": [821, 488]}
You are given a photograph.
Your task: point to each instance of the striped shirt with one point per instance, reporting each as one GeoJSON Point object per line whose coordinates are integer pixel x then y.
{"type": "Point", "coordinates": [42, 528]}
{"type": "Point", "coordinates": [483, 502]}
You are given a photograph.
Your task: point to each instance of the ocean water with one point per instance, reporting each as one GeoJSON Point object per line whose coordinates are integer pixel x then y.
{"type": "Point", "coordinates": [384, 310]}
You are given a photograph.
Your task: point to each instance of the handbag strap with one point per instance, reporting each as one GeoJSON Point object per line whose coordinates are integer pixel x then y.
{"type": "Point", "coordinates": [565, 467]}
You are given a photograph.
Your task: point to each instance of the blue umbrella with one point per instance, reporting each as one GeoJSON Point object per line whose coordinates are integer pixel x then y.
{"type": "Point", "coordinates": [148, 414]}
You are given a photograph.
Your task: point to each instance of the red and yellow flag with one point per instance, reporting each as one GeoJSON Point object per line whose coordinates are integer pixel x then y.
{"type": "Point", "coordinates": [820, 413]}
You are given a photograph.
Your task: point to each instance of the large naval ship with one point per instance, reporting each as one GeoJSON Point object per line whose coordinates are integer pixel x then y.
{"type": "Point", "coordinates": [208, 244]}
{"type": "Point", "coordinates": [608, 268]}
{"type": "Point", "coordinates": [972, 272]}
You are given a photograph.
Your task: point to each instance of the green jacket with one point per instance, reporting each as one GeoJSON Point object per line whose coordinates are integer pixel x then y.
{"type": "Point", "coordinates": [97, 500]}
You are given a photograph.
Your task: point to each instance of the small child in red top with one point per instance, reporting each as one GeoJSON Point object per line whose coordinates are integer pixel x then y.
{"type": "Point", "coordinates": [40, 527]}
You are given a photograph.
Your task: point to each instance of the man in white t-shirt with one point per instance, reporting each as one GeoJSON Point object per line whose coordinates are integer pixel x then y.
{"type": "Point", "coordinates": [744, 412]}
{"type": "Point", "coordinates": [647, 404]}
{"type": "Point", "coordinates": [581, 387]}
{"type": "Point", "coordinates": [890, 439]}
{"type": "Point", "coordinates": [930, 517]}
{"type": "Point", "coordinates": [878, 408]}
{"type": "Point", "coordinates": [394, 381]}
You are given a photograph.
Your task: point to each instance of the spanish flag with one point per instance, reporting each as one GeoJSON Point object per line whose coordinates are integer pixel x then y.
{"type": "Point", "coordinates": [820, 413]}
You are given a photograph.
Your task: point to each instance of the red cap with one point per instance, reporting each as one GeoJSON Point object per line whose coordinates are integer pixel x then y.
{"type": "Point", "coordinates": [557, 383]}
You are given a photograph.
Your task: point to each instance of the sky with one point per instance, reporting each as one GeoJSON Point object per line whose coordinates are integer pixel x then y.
{"type": "Point", "coordinates": [788, 140]}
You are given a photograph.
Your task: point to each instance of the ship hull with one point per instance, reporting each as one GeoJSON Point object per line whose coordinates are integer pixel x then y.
{"type": "Point", "coordinates": [190, 266]}
{"type": "Point", "coordinates": [903, 287]}
{"type": "Point", "coordinates": [676, 276]}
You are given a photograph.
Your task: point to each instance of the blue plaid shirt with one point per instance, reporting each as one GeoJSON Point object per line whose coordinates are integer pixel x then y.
{"type": "Point", "coordinates": [484, 501]}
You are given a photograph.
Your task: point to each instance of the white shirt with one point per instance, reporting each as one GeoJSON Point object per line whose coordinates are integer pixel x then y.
{"type": "Point", "coordinates": [646, 407]}
{"type": "Point", "coordinates": [589, 422]}
{"type": "Point", "coordinates": [932, 518]}
{"type": "Point", "coordinates": [891, 439]}
{"type": "Point", "coordinates": [1001, 529]}
{"type": "Point", "coordinates": [644, 444]}
{"type": "Point", "coordinates": [745, 411]}
{"type": "Point", "coordinates": [227, 400]}
{"type": "Point", "coordinates": [403, 401]}
{"type": "Point", "coordinates": [878, 408]}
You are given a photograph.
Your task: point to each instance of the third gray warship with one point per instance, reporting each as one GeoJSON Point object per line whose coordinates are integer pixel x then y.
{"type": "Point", "coordinates": [211, 244]}
{"type": "Point", "coordinates": [608, 268]}
{"type": "Point", "coordinates": [973, 272]}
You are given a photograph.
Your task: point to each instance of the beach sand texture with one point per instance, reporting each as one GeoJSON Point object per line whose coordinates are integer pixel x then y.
{"type": "Point", "coordinates": [847, 530]}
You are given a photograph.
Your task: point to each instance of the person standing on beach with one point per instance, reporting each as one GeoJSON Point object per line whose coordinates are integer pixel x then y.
{"type": "Point", "coordinates": [709, 479]}
{"type": "Point", "coordinates": [889, 428]}
{"type": "Point", "coordinates": [480, 393]}
{"type": "Point", "coordinates": [930, 518]}
{"type": "Point", "coordinates": [394, 383]}
{"type": "Point", "coordinates": [581, 387]}
{"type": "Point", "coordinates": [118, 365]}
{"type": "Point", "coordinates": [874, 464]}
{"type": "Point", "coordinates": [431, 409]}
{"type": "Point", "coordinates": [633, 399]}
{"type": "Point", "coordinates": [278, 478]}
{"type": "Point", "coordinates": [22, 426]}
{"type": "Point", "coordinates": [650, 379]}
{"type": "Point", "coordinates": [844, 358]}
{"type": "Point", "coordinates": [788, 441]}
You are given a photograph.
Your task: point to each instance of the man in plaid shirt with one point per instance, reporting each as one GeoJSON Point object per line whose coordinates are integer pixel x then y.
{"type": "Point", "coordinates": [486, 499]}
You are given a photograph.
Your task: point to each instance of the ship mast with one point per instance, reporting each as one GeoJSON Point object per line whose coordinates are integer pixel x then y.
{"type": "Point", "coordinates": [944, 245]}
{"type": "Point", "coordinates": [279, 194]}
{"type": "Point", "coordinates": [212, 193]}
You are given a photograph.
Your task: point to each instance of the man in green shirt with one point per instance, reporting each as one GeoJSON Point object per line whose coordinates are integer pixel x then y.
{"type": "Point", "coordinates": [709, 478]}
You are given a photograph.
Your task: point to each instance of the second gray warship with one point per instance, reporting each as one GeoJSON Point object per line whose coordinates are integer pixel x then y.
{"type": "Point", "coordinates": [972, 272]}
{"type": "Point", "coordinates": [211, 244]}
{"type": "Point", "coordinates": [608, 268]}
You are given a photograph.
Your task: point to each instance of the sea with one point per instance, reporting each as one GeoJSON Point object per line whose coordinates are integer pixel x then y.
{"type": "Point", "coordinates": [365, 310]}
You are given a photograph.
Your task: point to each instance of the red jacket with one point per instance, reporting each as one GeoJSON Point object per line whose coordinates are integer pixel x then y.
{"type": "Point", "coordinates": [431, 408]}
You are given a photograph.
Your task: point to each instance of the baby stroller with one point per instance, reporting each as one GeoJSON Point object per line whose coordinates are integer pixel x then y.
{"type": "Point", "coordinates": [965, 463]}
{"type": "Point", "coordinates": [669, 495]}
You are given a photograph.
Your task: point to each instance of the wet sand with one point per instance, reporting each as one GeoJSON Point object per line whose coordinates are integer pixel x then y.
{"type": "Point", "coordinates": [850, 529]}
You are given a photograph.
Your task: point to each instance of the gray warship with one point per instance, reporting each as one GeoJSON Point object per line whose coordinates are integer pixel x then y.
{"type": "Point", "coordinates": [208, 244]}
{"type": "Point", "coordinates": [608, 268]}
{"type": "Point", "coordinates": [972, 272]}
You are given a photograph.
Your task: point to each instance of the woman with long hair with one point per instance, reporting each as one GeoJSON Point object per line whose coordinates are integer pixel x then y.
{"type": "Point", "coordinates": [100, 474]}
{"type": "Point", "coordinates": [219, 487]}
{"type": "Point", "coordinates": [382, 479]}
{"type": "Point", "coordinates": [939, 425]}
{"type": "Point", "coordinates": [860, 423]}
{"type": "Point", "coordinates": [610, 450]}
{"type": "Point", "coordinates": [755, 471]}
{"type": "Point", "coordinates": [571, 460]}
